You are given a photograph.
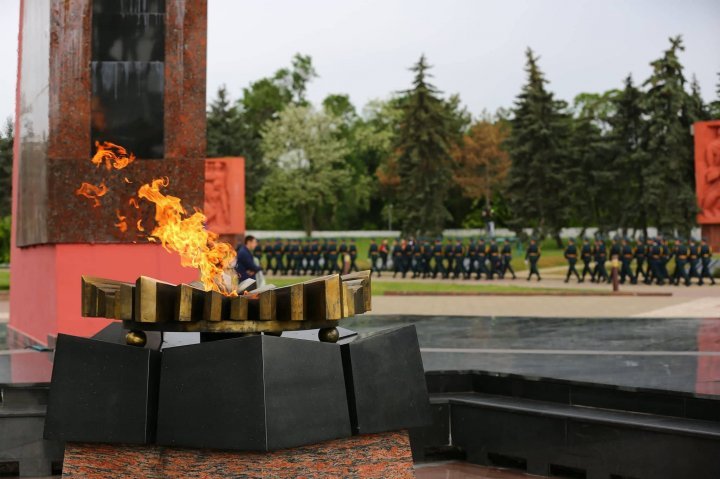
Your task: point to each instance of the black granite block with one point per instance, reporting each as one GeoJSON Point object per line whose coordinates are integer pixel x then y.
{"type": "Point", "coordinates": [385, 381]}
{"type": "Point", "coordinates": [102, 392]}
{"type": "Point", "coordinates": [254, 393]}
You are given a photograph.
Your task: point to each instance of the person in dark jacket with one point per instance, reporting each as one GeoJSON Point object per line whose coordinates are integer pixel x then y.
{"type": "Point", "coordinates": [245, 265]}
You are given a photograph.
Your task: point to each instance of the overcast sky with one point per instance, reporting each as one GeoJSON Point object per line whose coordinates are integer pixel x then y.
{"type": "Point", "coordinates": [363, 48]}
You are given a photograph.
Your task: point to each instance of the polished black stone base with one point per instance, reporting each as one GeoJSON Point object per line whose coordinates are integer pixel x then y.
{"type": "Point", "coordinates": [102, 392]}
{"type": "Point", "coordinates": [386, 382]}
{"type": "Point", "coordinates": [255, 393]}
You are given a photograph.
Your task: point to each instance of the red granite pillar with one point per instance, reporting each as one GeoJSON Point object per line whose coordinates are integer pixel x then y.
{"type": "Point", "coordinates": [88, 71]}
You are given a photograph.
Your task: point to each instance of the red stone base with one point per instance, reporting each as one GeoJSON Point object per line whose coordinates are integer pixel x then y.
{"type": "Point", "coordinates": [712, 234]}
{"type": "Point", "coordinates": [380, 456]}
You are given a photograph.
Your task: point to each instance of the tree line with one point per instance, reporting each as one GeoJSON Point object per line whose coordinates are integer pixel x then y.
{"type": "Point", "coordinates": [619, 159]}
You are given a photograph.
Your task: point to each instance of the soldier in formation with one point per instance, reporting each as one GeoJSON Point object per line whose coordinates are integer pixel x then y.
{"type": "Point", "coordinates": [656, 260]}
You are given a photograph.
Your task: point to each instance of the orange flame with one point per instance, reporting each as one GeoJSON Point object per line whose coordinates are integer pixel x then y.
{"type": "Point", "coordinates": [127, 180]}
{"type": "Point", "coordinates": [187, 236]}
{"type": "Point", "coordinates": [139, 225]}
{"type": "Point", "coordinates": [133, 202]}
{"type": "Point", "coordinates": [113, 155]}
{"type": "Point", "coordinates": [122, 225]}
{"type": "Point", "coordinates": [93, 192]}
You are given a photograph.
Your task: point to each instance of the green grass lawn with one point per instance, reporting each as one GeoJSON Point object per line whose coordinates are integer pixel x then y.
{"type": "Point", "coordinates": [380, 287]}
{"type": "Point", "coordinates": [4, 279]}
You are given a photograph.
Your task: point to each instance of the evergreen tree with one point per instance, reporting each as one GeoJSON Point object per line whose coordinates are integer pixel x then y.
{"type": "Point", "coordinates": [539, 174]}
{"type": "Point", "coordinates": [715, 105]}
{"type": "Point", "coordinates": [629, 158]}
{"type": "Point", "coordinates": [223, 127]}
{"type": "Point", "coordinates": [424, 165]}
{"type": "Point", "coordinates": [6, 159]}
{"type": "Point", "coordinates": [669, 173]}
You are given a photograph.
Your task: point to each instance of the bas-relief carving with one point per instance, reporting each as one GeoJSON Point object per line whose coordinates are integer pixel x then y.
{"type": "Point", "coordinates": [225, 195]}
{"type": "Point", "coordinates": [217, 196]}
{"type": "Point", "coordinates": [707, 171]}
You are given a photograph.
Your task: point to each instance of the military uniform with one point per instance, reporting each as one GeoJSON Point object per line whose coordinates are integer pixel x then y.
{"type": "Point", "coordinates": [269, 256]}
{"type": "Point", "coordinates": [373, 255]}
{"type": "Point", "coordinates": [439, 264]}
{"type": "Point", "coordinates": [571, 256]}
{"type": "Point", "coordinates": [352, 250]}
{"type": "Point", "coordinates": [626, 256]}
{"type": "Point", "coordinates": [427, 258]}
{"type": "Point", "coordinates": [532, 256]}
{"type": "Point", "coordinates": [458, 254]}
{"type": "Point", "coordinates": [705, 258]}
{"type": "Point", "coordinates": [655, 260]}
{"type": "Point", "coordinates": [600, 258]}
{"type": "Point", "coordinates": [494, 257]}
{"type": "Point", "coordinates": [640, 256]}
{"type": "Point", "coordinates": [279, 253]}
{"type": "Point", "coordinates": [416, 259]}
{"type": "Point", "coordinates": [681, 261]}
{"type": "Point", "coordinates": [481, 268]}
{"type": "Point", "coordinates": [507, 259]}
{"type": "Point", "coordinates": [586, 253]}
{"type": "Point", "coordinates": [397, 256]}
{"type": "Point", "coordinates": [332, 256]}
{"type": "Point", "coordinates": [694, 260]}
{"type": "Point", "coordinates": [448, 250]}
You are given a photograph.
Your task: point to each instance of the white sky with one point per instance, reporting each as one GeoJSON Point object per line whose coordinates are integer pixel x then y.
{"type": "Point", "coordinates": [363, 48]}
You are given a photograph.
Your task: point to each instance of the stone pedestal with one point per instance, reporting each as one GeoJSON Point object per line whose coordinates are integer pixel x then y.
{"type": "Point", "coordinates": [373, 456]}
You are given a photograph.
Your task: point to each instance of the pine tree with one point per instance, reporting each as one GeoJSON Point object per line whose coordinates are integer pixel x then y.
{"type": "Point", "coordinates": [626, 141]}
{"type": "Point", "coordinates": [424, 164]}
{"type": "Point", "coordinates": [714, 106]}
{"type": "Point", "coordinates": [537, 186]}
{"type": "Point", "coordinates": [669, 176]}
{"type": "Point", "coordinates": [223, 135]}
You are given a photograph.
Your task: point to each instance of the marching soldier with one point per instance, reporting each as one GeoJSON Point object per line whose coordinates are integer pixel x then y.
{"type": "Point", "coordinates": [417, 257]}
{"type": "Point", "coordinates": [586, 253]}
{"type": "Point", "coordinates": [626, 257]}
{"type": "Point", "coordinates": [427, 258]}
{"type": "Point", "coordinates": [332, 256]}
{"type": "Point", "coordinates": [481, 268]}
{"type": "Point", "coordinates": [532, 255]}
{"type": "Point", "coordinates": [571, 257]}
{"type": "Point", "coordinates": [665, 257]}
{"type": "Point", "coordinates": [705, 258]}
{"type": "Point", "coordinates": [470, 258]}
{"type": "Point", "coordinates": [269, 255]}
{"type": "Point", "coordinates": [306, 256]}
{"type": "Point", "coordinates": [681, 257]}
{"type": "Point", "coordinates": [397, 256]}
{"type": "Point", "coordinates": [507, 259]}
{"type": "Point", "coordinates": [448, 257]}
{"type": "Point", "coordinates": [373, 254]}
{"type": "Point", "coordinates": [353, 255]}
{"type": "Point", "coordinates": [258, 251]}
{"type": "Point", "coordinates": [314, 257]}
{"type": "Point", "coordinates": [407, 248]}
{"type": "Point", "coordinates": [458, 253]}
{"type": "Point", "coordinates": [640, 255]}
{"type": "Point", "coordinates": [615, 248]}
{"type": "Point", "coordinates": [384, 251]}
{"type": "Point", "coordinates": [494, 256]}
{"type": "Point", "coordinates": [600, 258]}
{"type": "Point", "coordinates": [654, 262]}
{"type": "Point", "coordinates": [439, 266]}
{"type": "Point", "coordinates": [694, 259]}
{"type": "Point", "coordinates": [279, 253]}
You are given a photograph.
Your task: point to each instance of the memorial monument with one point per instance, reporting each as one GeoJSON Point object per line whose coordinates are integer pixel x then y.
{"type": "Point", "coordinates": [707, 179]}
{"type": "Point", "coordinates": [91, 71]}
